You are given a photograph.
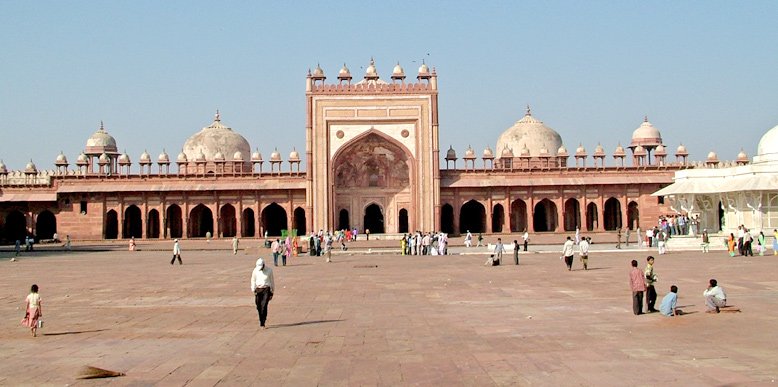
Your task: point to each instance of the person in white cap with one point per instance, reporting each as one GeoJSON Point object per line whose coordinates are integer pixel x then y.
{"type": "Point", "coordinates": [176, 252]}
{"type": "Point", "coordinates": [263, 287]}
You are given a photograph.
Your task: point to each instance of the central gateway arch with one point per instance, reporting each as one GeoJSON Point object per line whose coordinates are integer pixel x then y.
{"type": "Point", "coordinates": [373, 154]}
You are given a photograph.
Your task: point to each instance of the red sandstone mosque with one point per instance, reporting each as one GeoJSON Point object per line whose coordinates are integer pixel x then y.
{"type": "Point", "coordinates": [372, 161]}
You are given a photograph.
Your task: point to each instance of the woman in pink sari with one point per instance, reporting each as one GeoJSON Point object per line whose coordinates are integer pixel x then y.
{"type": "Point", "coordinates": [34, 311]}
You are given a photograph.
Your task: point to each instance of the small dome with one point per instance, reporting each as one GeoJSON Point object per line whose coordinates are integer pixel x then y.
{"type": "Point", "coordinates": [562, 151]}
{"type": "Point", "coordinates": [424, 69]}
{"type": "Point", "coordinates": [681, 150]}
{"type": "Point", "coordinates": [318, 72]}
{"type": "Point", "coordinates": [599, 150]}
{"type": "Point", "coordinates": [237, 156]}
{"type": "Point", "coordinates": [524, 151]}
{"type": "Point", "coordinates": [488, 154]}
{"type": "Point", "coordinates": [104, 159]}
{"type": "Point", "coordinates": [3, 168]}
{"type": "Point", "coordinates": [275, 156]}
{"type": "Point", "coordinates": [100, 142]}
{"type": "Point", "coordinates": [580, 150]}
{"type": "Point", "coordinates": [61, 159]}
{"type": "Point", "coordinates": [181, 157]}
{"type": "Point", "coordinates": [712, 156]}
{"type": "Point", "coordinates": [218, 156]}
{"type": "Point", "coordinates": [163, 157]}
{"type": "Point", "coordinates": [30, 168]}
{"type": "Point", "coordinates": [451, 154]}
{"type": "Point", "coordinates": [398, 71]}
{"type": "Point", "coordinates": [544, 151]}
{"type": "Point", "coordinates": [82, 159]}
{"type": "Point", "coordinates": [639, 150]}
{"type": "Point", "coordinates": [506, 152]}
{"type": "Point", "coordinates": [371, 72]}
{"type": "Point", "coordinates": [256, 156]}
{"type": "Point", "coordinates": [660, 150]}
{"type": "Point", "coordinates": [124, 158]}
{"type": "Point", "coordinates": [469, 153]}
{"type": "Point", "coordinates": [200, 157]}
{"type": "Point", "coordinates": [767, 149]}
{"type": "Point", "coordinates": [145, 158]}
{"type": "Point", "coordinates": [344, 71]}
{"type": "Point", "coordinates": [619, 152]}
{"type": "Point", "coordinates": [532, 133]}
{"type": "Point", "coordinates": [742, 156]}
{"type": "Point", "coordinates": [646, 135]}
{"type": "Point", "coordinates": [294, 155]}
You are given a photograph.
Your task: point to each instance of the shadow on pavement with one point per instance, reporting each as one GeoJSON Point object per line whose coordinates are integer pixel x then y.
{"type": "Point", "coordinates": [302, 323]}
{"type": "Point", "coordinates": [73, 332]}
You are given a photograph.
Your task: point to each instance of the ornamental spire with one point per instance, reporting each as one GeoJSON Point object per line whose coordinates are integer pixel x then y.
{"type": "Point", "coordinates": [217, 118]}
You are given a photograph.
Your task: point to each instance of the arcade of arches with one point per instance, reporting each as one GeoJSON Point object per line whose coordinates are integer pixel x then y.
{"type": "Point", "coordinates": [545, 216]}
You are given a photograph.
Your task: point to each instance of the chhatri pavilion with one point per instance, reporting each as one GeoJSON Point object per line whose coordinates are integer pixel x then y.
{"type": "Point", "coordinates": [372, 161]}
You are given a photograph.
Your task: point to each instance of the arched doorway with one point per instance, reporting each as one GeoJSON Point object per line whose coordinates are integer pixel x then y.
{"type": "Point", "coordinates": [374, 219]}
{"type": "Point", "coordinates": [299, 221]}
{"type": "Point", "coordinates": [447, 219]}
{"type": "Point", "coordinates": [111, 225]}
{"type": "Point", "coordinates": [15, 227]}
{"type": "Point", "coordinates": [472, 217]}
{"type": "Point", "coordinates": [152, 224]}
{"type": "Point", "coordinates": [247, 228]}
{"type": "Point", "coordinates": [612, 214]}
{"type": "Point", "coordinates": [372, 165]}
{"type": "Point", "coordinates": [343, 220]}
{"type": "Point", "coordinates": [402, 221]}
{"type": "Point", "coordinates": [228, 224]}
{"type": "Point", "coordinates": [274, 219]}
{"type": "Point", "coordinates": [592, 217]}
{"type": "Point", "coordinates": [174, 222]}
{"type": "Point", "coordinates": [200, 221]}
{"type": "Point", "coordinates": [572, 214]}
{"type": "Point", "coordinates": [545, 216]}
{"type": "Point", "coordinates": [498, 218]}
{"type": "Point", "coordinates": [133, 225]}
{"type": "Point", "coordinates": [633, 216]}
{"type": "Point", "coordinates": [45, 225]}
{"type": "Point", "coordinates": [518, 216]}
{"type": "Point", "coordinates": [722, 219]}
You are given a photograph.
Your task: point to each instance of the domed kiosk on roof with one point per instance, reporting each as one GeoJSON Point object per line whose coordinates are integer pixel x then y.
{"type": "Point", "coordinates": [215, 139]}
{"type": "Point", "coordinates": [532, 134]}
{"type": "Point", "coordinates": [101, 142]}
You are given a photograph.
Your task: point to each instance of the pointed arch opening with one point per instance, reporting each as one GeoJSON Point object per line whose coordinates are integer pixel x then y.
{"type": "Point", "coordinates": [402, 221]}
{"type": "Point", "coordinates": [299, 221]}
{"type": "Point", "coordinates": [343, 220]}
{"type": "Point", "coordinates": [174, 222]}
{"type": "Point", "coordinates": [472, 217]}
{"type": "Point", "coordinates": [274, 219]}
{"type": "Point", "coordinates": [545, 216]}
{"type": "Point", "coordinates": [612, 214]}
{"type": "Point", "coordinates": [572, 214]}
{"type": "Point", "coordinates": [633, 215]}
{"type": "Point", "coordinates": [228, 223]}
{"type": "Point", "coordinates": [15, 226]}
{"type": "Point", "coordinates": [447, 219]}
{"type": "Point", "coordinates": [200, 221]}
{"type": "Point", "coordinates": [519, 216]}
{"type": "Point", "coordinates": [133, 225]}
{"type": "Point", "coordinates": [592, 217]}
{"type": "Point", "coordinates": [45, 225]}
{"type": "Point", "coordinates": [374, 219]}
{"type": "Point", "coordinates": [152, 224]}
{"type": "Point", "coordinates": [111, 225]}
{"type": "Point", "coordinates": [247, 221]}
{"type": "Point", "coordinates": [498, 217]}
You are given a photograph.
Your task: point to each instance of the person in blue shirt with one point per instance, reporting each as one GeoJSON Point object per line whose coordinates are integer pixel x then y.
{"type": "Point", "coordinates": [669, 302]}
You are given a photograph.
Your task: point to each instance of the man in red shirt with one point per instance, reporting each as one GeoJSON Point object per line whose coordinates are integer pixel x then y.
{"type": "Point", "coordinates": [638, 284]}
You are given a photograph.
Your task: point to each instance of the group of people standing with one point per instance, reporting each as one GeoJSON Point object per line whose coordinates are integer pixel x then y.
{"type": "Point", "coordinates": [744, 243]}
{"type": "Point", "coordinates": [420, 243]}
{"type": "Point", "coordinates": [568, 250]}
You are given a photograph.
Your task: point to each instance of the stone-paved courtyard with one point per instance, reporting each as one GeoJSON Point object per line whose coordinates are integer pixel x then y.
{"type": "Point", "coordinates": [369, 319]}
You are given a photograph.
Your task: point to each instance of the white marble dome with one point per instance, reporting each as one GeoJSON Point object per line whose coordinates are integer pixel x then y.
{"type": "Point", "coordinates": [213, 139]}
{"type": "Point", "coordinates": [767, 150]}
{"type": "Point", "coordinates": [646, 135]}
{"type": "Point", "coordinates": [100, 142]}
{"type": "Point", "coordinates": [531, 133]}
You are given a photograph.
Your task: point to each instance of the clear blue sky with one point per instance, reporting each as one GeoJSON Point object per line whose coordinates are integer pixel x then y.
{"type": "Point", "coordinates": [705, 72]}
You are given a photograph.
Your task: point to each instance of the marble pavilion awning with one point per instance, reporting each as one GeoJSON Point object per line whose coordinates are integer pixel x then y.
{"type": "Point", "coordinates": [721, 184]}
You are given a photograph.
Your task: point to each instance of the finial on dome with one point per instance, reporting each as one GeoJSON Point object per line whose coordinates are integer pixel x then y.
{"type": "Point", "coordinates": [529, 111]}
{"type": "Point", "coordinates": [645, 118]}
{"type": "Point", "coordinates": [101, 126]}
{"type": "Point", "coordinates": [218, 116]}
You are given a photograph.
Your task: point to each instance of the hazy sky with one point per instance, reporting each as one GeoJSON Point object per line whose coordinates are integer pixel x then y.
{"type": "Point", "coordinates": [705, 73]}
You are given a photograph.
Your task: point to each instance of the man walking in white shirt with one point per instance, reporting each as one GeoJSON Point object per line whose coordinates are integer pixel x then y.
{"type": "Point", "coordinates": [583, 251]}
{"type": "Point", "coordinates": [263, 287]}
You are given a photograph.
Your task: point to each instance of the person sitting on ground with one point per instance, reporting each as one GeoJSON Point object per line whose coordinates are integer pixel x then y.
{"type": "Point", "coordinates": [668, 306]}
{"type": "Point", "coordinates": [715, 297]}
